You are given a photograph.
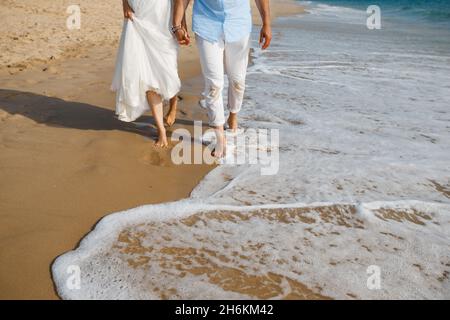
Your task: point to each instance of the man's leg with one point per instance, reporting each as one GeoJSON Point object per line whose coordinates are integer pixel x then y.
{"type": "Point", "coordinates": [236, 62]}
{"type": "Point", "coordinates": [211, 59]}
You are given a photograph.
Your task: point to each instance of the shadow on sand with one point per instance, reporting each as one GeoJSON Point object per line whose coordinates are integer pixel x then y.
{"type": "Point", "coordinates": [57, 112]}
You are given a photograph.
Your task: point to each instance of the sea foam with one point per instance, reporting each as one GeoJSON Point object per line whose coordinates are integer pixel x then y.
{"type": "Point", "coordinates": [191, 250]}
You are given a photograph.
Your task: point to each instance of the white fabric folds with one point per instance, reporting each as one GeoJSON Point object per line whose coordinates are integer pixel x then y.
{"type": "Point", "coordinates": [146, 59]}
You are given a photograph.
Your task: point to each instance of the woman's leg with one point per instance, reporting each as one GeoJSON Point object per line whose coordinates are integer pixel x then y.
{"type": "Point", "coordinates": [156, 104]}
{"type": "Point", "coordinates": [172, 114]}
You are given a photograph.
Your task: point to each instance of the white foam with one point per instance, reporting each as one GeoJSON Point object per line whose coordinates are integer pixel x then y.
{"type": "Point", "coordinates": [325, 11]}
{"type": "Point", "coordinates": [322, 253]}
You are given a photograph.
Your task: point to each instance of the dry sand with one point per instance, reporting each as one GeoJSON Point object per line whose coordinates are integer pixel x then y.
{"type": "Point", "coordinates": [65, 161]}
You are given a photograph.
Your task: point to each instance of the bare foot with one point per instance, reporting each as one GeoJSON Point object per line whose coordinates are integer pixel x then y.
{"type": "Point", "coordinates": [233, 122]}
{"type": "Point", "coordinates": [220, 151]}
{"type": "Point", "coordinates": [162, 141]}
{"type": "Point", "coordinates": [171, 117]}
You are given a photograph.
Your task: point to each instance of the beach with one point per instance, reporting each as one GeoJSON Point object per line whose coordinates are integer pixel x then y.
{"type": "Point", "coordinates": [358, 206]}
{"type": "Point", "coordinates": [65, 161]}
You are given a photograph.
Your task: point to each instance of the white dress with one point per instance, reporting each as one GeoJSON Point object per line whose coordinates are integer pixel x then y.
{"type": "Point", "coordinates": [147, 58]}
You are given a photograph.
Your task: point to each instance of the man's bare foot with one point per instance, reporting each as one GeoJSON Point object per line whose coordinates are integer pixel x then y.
{"type": "Point", "coordinates": [233, 122]}
{"type": "Point", "coordinates": [220, 151]}
{"type": "Point", "coordinates": [162, 141]}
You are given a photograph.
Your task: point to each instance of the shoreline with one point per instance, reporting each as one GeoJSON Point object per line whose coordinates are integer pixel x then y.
{"type": "Point", "coordinates": [62, 156]}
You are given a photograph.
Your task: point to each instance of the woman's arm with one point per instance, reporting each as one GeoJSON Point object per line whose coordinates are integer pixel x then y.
{"type": "Point", "coordinates": [179, 12]}
{"type": "Point", "coordinates": [179, 21]}
{"type": "Point", "coordinates": [127, 10]}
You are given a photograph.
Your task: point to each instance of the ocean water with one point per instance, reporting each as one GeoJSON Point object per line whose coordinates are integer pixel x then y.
{"type": "Point", "coordinates": [363, 185]}
{"type": "Point", "coordinates": [434, 12]}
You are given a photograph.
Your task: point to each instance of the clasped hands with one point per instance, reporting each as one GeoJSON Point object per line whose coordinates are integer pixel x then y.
{"type": "Point", "coordinates": [182, 36]}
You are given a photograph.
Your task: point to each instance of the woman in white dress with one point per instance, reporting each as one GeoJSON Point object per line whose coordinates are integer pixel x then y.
{"type": "Point", "coordinates": [146, 68]}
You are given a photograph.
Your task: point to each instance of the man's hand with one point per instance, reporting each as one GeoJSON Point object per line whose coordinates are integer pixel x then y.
{"type": "Point", "coordinates": [265, 36]}
{"type": "Point", "coordinates": [127, 10]}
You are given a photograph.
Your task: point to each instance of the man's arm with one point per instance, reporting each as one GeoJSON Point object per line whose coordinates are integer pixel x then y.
{"type": "Point", "coordinates": [179, 21]}
{"type": "Point", "coordinates": [265, 36]}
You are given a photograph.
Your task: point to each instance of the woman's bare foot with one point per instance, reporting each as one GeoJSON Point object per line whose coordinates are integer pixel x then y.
{"type": "Point", "coordinates": [155, 101]}
{"type": "Point", "coordinates": [162, 141]}
{"type": "Point", "coordinates": [233, 122]}
{"type": "Point", "coordinates": [171, 116]}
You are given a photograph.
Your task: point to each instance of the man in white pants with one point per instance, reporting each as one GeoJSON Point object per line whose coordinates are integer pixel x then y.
{"type": "Point", "coordinates": [222, 29]}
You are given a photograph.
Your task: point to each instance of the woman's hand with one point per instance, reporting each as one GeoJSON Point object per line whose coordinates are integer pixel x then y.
{"type": "Point", "coordinates": [127, 10]}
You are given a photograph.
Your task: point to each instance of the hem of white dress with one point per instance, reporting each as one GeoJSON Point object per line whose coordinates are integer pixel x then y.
{"type": "Point", "coordinates": [140, 109]}
{"type": "Point", "coordinates": [148, 88]}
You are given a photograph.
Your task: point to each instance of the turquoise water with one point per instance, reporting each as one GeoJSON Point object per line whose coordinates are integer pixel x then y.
{"type": "Point", "coordinates": [432, 11]}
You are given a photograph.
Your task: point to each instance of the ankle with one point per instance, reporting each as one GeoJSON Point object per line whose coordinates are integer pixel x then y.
{"type": "Point", "coordinates": [162, 132]}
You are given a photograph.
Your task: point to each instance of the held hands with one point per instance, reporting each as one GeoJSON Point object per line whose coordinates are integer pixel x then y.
{"type": "Point", "coordinates": [265, 36]}
{"type": "Point", "coordinates": [182, 36]}
{"type": "Point", "coordinates": [127, 10]}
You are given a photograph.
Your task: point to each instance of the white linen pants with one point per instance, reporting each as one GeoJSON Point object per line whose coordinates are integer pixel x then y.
{"type": "Point", "coordinates": [215, 58]}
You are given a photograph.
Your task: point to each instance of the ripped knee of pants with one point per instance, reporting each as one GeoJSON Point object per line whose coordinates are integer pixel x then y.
{"type": "Point", "coordinates": [214, 93]}
{"type": "Point", "coordinates": [238, 86]}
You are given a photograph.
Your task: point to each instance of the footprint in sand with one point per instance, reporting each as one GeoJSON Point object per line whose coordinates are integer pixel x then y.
{"type": "Point", "coordinates": [51, 70]}
{"type": "Point", "coordinates": [156, 158]}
